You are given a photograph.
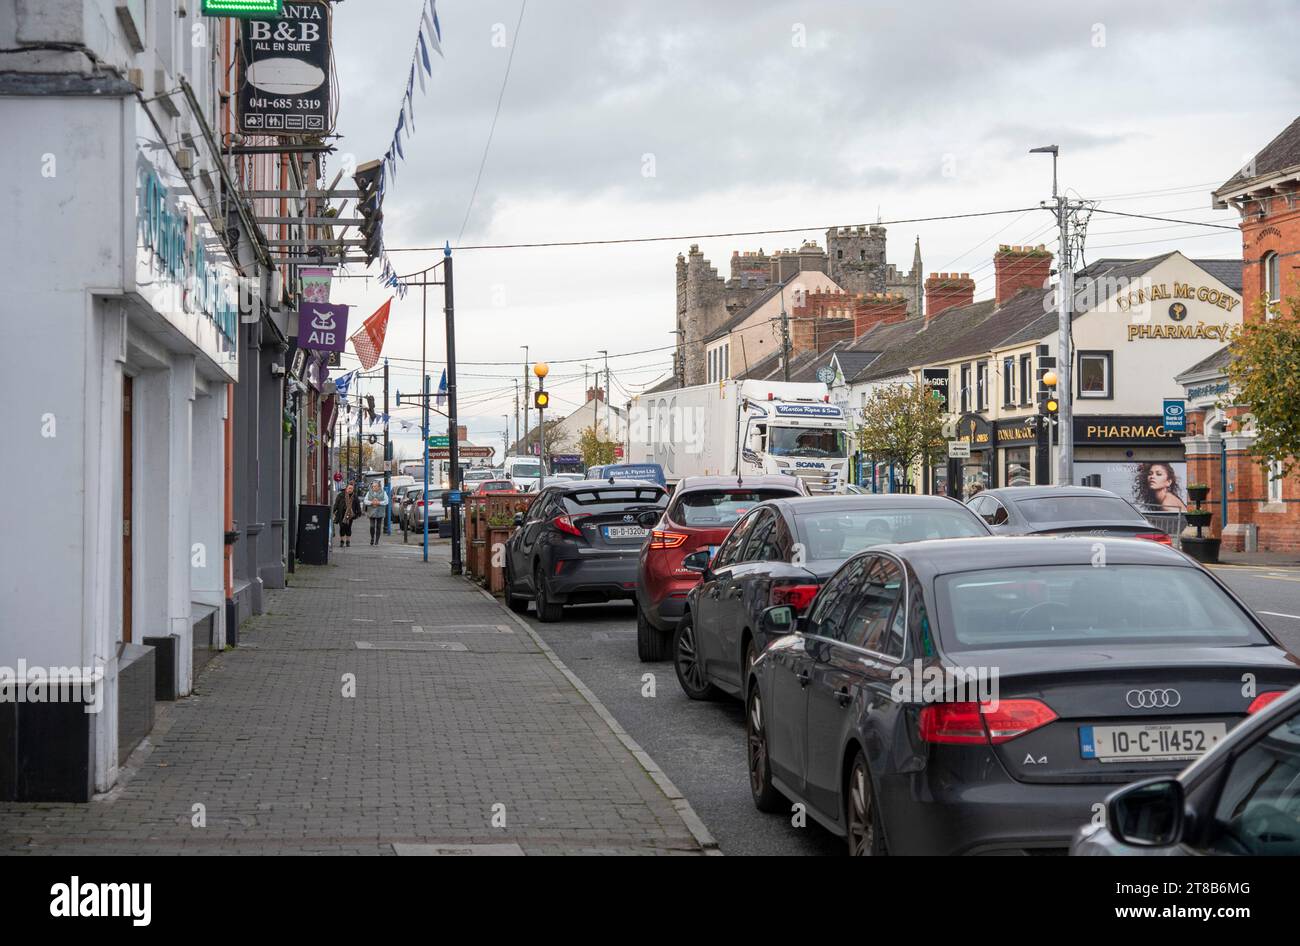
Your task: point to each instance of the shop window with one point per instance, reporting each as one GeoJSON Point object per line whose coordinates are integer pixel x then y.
{"type": "Point", "coordinates": [1095, 374]}
{"type": "Point", "coordinates": [1017, 471]}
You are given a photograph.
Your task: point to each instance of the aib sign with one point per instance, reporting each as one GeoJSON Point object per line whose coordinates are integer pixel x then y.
{"type": "Point", "coordinates": [322, 326]}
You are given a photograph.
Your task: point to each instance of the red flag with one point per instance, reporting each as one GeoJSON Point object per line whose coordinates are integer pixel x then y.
{"type": "Point", "coordinates": [368, 342]}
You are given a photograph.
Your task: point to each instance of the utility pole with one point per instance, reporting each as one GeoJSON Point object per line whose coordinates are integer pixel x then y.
{"type": "Point", "coordinates": [609, 431]}
{"type": "Point", "coordinates": [517, 434]}
{"type": "Point", "coordinates": [524, 436]}
{"type": "Point", "coordinates": [453, 437]}
{"type": "Point", "coordinates": [388, 461]}
{"type": "Point", "coordinates": [1064, 300]}
{"type": "Point", "coordinates": [594, 422]}
{"type": "Point", "coordinates": [785, 339]}
{"type": "Point", "coordinates": [505, 436]}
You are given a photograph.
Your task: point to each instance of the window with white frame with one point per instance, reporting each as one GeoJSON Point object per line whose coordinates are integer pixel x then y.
{"type": "Point", "coordinates": [1272, 281]}
{"type": "Point", "coordinates": [981, 385]}
{"type": "Point", "coordinates": [1274, 471]}
{"type": "Point", "coordinates": [1094, 370]}
{"type": "Point", "coordinates": [1008, 381]}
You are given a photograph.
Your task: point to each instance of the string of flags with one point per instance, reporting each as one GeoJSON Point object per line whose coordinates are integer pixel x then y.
{"type": "Point", "coordinates": [428, 36]}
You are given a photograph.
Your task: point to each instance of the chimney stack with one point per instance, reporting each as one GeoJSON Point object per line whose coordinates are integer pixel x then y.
{"type": "Point", "coordinates": [1020, 267]}
{"type": "Point", "coordinates": [947, 290]}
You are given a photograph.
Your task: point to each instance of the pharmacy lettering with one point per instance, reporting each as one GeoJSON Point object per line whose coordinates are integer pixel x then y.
{"type": "Point", "coordinates": [1220, 332]}
{"type": "Point", "coordinates": [183, 275]}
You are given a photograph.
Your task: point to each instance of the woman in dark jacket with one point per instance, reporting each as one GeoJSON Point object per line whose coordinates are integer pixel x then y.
{"type": "Point", "coordinates": [347, 506]}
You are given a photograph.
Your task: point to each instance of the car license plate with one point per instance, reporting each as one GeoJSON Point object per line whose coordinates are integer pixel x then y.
{"type": "Point", "coordinates": [624, 532]}
{"type": "Point", "coordinates": [1155, 742]}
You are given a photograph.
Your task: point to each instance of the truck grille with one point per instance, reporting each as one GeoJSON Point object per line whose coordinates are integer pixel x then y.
{"type": "Point", "coordinates": [819, 481]}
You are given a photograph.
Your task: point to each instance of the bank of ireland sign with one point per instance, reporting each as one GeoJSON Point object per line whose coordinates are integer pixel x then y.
{"type": "Point", "coordinates": [322, 326]}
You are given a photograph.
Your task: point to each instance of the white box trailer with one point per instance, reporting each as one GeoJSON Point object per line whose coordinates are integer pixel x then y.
{"type": "Point", "coordinates": [744, 427]}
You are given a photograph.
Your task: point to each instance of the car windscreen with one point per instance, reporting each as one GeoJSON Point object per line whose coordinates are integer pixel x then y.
{"type": "Point", "coordinates": [613, 499]}
{"type": "Point", "coordinates": [1070, 605]}
{"type": "Point", "coordinates": [721, 508]}
{"type": "Point", "coordinates": [527, 471]}
{"type": "Point", "coordinates": [497, 485]}
{"type": "Point", "coordinates": [1047, 509]}
{"type": "Point", "coordinates": [841, 533]}
{"type": "Point", "coordinates": [805, 442]}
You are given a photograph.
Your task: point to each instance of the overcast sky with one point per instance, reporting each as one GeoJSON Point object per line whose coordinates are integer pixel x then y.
{"type": "Point", "coordinates": [624, 119]}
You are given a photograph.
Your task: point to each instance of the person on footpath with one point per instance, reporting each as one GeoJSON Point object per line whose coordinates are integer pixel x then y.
{"type": "Point", "coordinates": [376, 509]}
{"type": "Point", "coordinates": [347, 506]}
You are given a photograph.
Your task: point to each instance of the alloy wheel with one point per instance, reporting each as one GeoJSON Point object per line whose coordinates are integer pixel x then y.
{"type": "Point", "coordinates": [862, 815]}
{"type": "Point", "coordinates": [688, 659]}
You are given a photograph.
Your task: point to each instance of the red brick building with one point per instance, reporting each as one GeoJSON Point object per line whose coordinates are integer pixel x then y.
{"type": "Point", "coordinates": [1253, 508]}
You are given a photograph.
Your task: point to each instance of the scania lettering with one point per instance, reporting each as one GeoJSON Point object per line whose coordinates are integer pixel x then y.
{"type": "Point", "coordinates": [745, 428]}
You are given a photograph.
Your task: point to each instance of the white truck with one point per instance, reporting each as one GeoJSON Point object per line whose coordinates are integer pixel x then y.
{"type": "Point", "coordinates": [744, 427]}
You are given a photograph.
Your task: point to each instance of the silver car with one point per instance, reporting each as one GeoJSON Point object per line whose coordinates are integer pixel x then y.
{"type": "Point", "coordinates": [1241, 797]}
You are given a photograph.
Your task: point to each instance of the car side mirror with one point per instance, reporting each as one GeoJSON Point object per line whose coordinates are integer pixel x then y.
{"type": "Point", "coordinates": [519, 519]}
{"type": "Point", "coordinates": [648, 518]}
{"type": "Point", "coordinates": [778, 620]}
{"type": "Point", "coordinates": [697, 561]}
{"type": "Point", "coordinates": [1149, 813]}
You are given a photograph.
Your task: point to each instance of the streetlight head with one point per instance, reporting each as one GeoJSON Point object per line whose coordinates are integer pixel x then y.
{"type": "Point", "coordinates": [1046, 149]}
{"type": "Point", "coordinates": [1049, 379]}
{"type": "Point", "coordinates": [541, 369]}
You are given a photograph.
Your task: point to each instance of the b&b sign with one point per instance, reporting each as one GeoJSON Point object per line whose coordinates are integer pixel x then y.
{"type": "Point", "coordinates": [322, 327]}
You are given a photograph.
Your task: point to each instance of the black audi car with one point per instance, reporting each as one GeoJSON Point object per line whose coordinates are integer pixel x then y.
{"type": "Point", "coordinates": [983, 697]}
{"type": "Point", "coordinates": [579, 543]}
{"type": "Point", "coordinates": [780, 553]}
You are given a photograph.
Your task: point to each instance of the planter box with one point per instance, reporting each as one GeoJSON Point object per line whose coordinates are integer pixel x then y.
{"type": "Point", "coordinates": [1198, 517]}
{"type": "Point", "coordinates": [1198, 494]}
{"type": "Point", "coordinates": [497, 537]}
{"type": "Point", "coordinates": [1202, 549]}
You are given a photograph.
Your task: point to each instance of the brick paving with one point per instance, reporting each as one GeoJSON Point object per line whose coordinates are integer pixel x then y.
{"type": "Point", "coordinates": [433, 739]}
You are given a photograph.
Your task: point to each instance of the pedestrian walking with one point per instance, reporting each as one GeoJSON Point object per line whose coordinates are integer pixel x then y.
{"type": "Point", "coordinates": [376, 509]}
{"type": "Point", "coordinates": [347, 506]}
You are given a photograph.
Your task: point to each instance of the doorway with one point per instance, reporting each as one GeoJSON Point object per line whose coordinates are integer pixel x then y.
{"type": "Point", "coordinates": [128, 452]}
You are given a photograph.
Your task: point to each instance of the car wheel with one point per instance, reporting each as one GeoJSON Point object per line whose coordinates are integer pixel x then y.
{"type": "Point", "coordinates": [862, 814]}
{"type": "Point", "coordinates": [766, 797]}
{"type": "Point", "coordinates": [548, 611]}
{"type": "Point", "coordinates": [686, 661]}
{"type": "Point", "coordinates": [652, 644]}
{"type": "Point", "coordinates": [515, 603]}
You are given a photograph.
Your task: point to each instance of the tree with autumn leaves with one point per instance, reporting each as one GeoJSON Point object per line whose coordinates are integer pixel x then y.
{"type": "Point", "coordinates": [903, 424]}
{"type": "Point", "coordinates": [1265, 375]}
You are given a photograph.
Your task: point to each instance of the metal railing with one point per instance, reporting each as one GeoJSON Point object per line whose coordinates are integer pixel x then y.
{"type": "Point", "coordinates": [1169, 521]}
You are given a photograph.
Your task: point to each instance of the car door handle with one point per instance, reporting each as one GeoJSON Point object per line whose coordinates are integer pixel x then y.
{"type": "Point", "coordinates": [844, 696]}
{"type": "Point", "coordinates": [803, 676]}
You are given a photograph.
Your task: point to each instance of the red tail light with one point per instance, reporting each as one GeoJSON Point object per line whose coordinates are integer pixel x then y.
{"type": "Point", "coordinates": [983, 723]}
{"type": "Point", "coordinates": [567, 524]}
{"type": "Point", "coordinates": [666, 540]}
{"type": "Point", "coordinates": [1259, 702]}
{"type": "Point", "coordinates": [420, 502]}
{"type": "Point", "coordinates": [797, 596]}
{"type": "Point", "coordinates": [1160, 537]}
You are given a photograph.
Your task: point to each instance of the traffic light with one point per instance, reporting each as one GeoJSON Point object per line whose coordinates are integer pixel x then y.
{"type": "Point", "coordinates": [1048, 404]}
{"type": "Point", "coordinates": [370, 206]}
{"type": "Point", "coordinates": [541, 400]}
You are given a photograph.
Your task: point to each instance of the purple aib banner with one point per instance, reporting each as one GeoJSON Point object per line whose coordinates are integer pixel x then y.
{"type": "Point", "coordinates": [322, 326]}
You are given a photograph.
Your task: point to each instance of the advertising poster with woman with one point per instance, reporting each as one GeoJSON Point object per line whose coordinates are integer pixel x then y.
{"type": "Point", "coordinates": [1156, 484]}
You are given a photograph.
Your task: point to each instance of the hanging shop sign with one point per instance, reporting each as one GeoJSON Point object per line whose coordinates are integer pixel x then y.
{"type": "Point", "coordinates": [242, 7]}
{"type": "Point", "coordinates": [936, 380]}
{"type": "Point", "coordinates": [286, 62]}
{"type": "Point", "coordinates": [322, 327]}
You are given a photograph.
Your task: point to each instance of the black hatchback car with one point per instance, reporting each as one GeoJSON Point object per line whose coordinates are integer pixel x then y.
{"type": "Point", "coordinates": [780, 553]}
{"type": "Point", "coordinates": [983, 697]}
{"type": "Point", "coordinates": [579, 543]}
{"type": "Point", "coordinates": [1040, 510]}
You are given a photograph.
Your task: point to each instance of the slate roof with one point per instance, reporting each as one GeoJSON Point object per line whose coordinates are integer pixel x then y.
{"type": "Point", "coordinates": [926, 344]}
{"type": "Point", "coordinates": [1279, 154]}
{"type": "Point", "coordinates": [1216, 362]}
{"type": "Point", "coordinates": [852, 362]}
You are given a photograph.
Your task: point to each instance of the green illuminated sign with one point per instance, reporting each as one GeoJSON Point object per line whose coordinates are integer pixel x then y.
{"type": "Point", "coordinates": [251, 8]}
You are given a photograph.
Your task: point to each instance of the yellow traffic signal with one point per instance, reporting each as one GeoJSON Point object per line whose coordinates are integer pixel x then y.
{"type": "Point", "coordinates": [541, 400]}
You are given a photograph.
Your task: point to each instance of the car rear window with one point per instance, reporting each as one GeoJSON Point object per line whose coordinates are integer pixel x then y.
{"type": "Point", "coordinates": [614, 498]}
{"type": "Point", "coordinates": [721, 508]}
{"type": "Point", "coordinates": [1069, 605]}
{"type": "Point", "coordinates": [1048, 509]}
{"type": "Point", "coordinates": [842, 533]}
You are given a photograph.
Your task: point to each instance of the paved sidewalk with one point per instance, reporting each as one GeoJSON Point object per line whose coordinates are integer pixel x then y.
{"type": "Point", "coordinates": [460, 716]}
{"type": "Point", "coordinates": [1260, 559]}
